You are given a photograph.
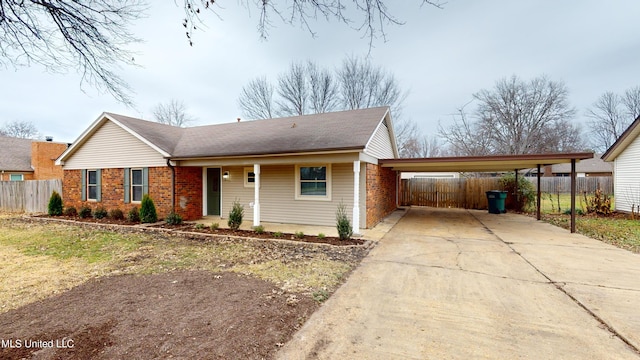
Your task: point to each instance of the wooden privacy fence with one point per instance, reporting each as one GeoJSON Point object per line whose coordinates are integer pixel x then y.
{"type": "Point", "coordinates": [562, 185]}
{"type": "Point", "coordinates": [470, 193]}
{"type": "Point", "coordinates": [27, 196]}
{"type": "Point", "coordinates": [456, 193]}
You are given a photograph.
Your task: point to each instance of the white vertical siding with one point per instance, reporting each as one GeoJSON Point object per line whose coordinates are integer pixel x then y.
{"type": "Point", "coordinates": [277, 195]}
{"type": "Point", "coordinates": [380, 145]}
{"type": "Point", "coordinates": [627, 177]}
{"type": "Point", "coordinates": [113, 147]}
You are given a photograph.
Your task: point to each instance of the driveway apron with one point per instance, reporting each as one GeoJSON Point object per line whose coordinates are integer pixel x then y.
{"type": "Point", "coordinates": [459, 284]}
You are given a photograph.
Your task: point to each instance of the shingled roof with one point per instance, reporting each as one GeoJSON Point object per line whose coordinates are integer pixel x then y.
{"type": "Point", "coordinates": [15, 154]}
{"type": "Point", "coordinates": [342, 130]}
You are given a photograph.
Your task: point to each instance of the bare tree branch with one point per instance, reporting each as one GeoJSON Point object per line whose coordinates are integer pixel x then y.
{"type": "Point", "coordinates": [608, 121]}
{"type": "Point", "coordinates": [293, 90]}
{"type": "Point", "coordinates": [59, 35]}
{"type": "Point", "coordinates": [172, 113]}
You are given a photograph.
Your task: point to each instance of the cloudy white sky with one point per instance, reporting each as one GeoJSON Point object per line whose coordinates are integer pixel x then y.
{"type": "Point", "coordinates": [441, 56]}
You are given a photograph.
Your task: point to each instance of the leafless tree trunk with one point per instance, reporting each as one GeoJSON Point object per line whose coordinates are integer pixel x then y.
{"type": "Point", "coordinates": [20, 129]}
{"type": "Point", "coordinates": [172, 113]}
{"type": "Point", "coordinates": [256, 99]}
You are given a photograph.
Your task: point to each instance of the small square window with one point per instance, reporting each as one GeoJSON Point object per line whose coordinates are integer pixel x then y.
{"type": "Point", "coordinates": [249, 177]}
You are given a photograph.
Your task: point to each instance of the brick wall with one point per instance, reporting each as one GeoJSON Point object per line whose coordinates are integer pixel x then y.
{"type": "Point", "coordinates": [188, 191]}
{"type": "Point", "coordinates": [381, 193]}
{"type": "Point", "coordinates": [43, 157]}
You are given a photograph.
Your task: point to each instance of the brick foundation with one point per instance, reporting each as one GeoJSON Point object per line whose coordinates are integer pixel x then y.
{"type": "Point", "coordinates": [188, 191]}
{"type": "Point", "coordinates": [381, 193]}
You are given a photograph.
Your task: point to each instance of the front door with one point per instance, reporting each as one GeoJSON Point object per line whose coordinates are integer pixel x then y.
{"type": "Point", "coordinates": [213, 192]}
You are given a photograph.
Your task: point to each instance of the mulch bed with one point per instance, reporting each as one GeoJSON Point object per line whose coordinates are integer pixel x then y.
{"type": "Point", "coordinates": [185, 314]}
{"type": "Point", "coordinates": [189, 227]}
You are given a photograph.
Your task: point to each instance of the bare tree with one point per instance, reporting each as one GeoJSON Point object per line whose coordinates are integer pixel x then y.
{"type": "Point", "coordinates": [256, 99]}
{"type": "Point", "coordinates": [20, 129]}
{"type": "Point", "coordinates": [172, 113]}
{"type": "Point", "coordinates": [608, 120]}
{"type": "Point", "coordinates": [60, 35]}
{"type": "Point", "coordinates": [465, 137]}
{"type": "Point", "coordinates": [364, 85]}
{"type": "Point", "coordinates": [516, 117]}
{"type": "Point", "coordinates": [631, 101]}
{"type": "Point", "coordinates": [293, 89]}
{"type": "Point", "coordinates": [323, 90]}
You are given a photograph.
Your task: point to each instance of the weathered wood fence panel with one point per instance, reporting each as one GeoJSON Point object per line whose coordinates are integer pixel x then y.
{"type": "Point", "coordinates": [470, 193]}
{"type": "Point", "coordinates": [562, 185]}
{"type": "Point", "coordinates": [30, 196]}
{"type": "Point", "coordinates": [455, 193]}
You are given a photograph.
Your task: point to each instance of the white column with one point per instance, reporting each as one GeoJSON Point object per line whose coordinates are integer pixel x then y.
{"type": "Point", "coordinates": [356, 197]}
{"type": "Point", "coordinates": [256, 192]}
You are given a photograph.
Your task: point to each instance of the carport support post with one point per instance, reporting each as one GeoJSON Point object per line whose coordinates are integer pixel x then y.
{"type": "Point", "coordinates": [538, 195]}
{"type": "Point", "coordinates": [356, 197]}
{"type": "Point", "coordinates": [517, 192]}
{"type": "Point", "coordinates": [573, 195]}
{"type": "Point", "coordinates": [256, 195]}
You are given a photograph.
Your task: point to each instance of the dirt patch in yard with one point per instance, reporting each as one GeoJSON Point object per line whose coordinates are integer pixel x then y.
{"type": "Point", "coordinates": [181, 314]}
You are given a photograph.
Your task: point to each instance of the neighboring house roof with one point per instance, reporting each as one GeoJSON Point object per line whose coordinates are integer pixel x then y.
{"type": "Point", "coordinates": [15, 154]}
{"type": "Point", "coordinates": [343, 130]}
{"type": "Point", "coordinates": [627, 137]}
{"type": "Point", "coordinates": [595, 165]}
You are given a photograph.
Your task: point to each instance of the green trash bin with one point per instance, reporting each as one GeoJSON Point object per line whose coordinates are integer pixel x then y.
{"type": "Point", "coordinates": [496, 199]}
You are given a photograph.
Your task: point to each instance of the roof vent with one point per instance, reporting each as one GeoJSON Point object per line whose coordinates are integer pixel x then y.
{"type": "Point", "coordinates": [48, 138]}
{"type": "Point", "coordinates": [238, 119]}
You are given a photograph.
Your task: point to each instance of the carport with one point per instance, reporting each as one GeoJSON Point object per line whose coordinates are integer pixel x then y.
{"type": "Point", "coordinates": [494, 163]}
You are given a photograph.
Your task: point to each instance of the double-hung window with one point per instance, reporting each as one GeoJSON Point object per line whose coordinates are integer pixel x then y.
{"type": "Point", "coordinates": [136, 185]}
{"type": "Point", "coordinates": [92, 185]}
{"type": "Point", "coordinates": [249, 177]}
{"type": "Point", "coordinates": [313, 182]}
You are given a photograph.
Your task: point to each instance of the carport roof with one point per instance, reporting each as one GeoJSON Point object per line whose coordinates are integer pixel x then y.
{"type": "Point", "coordinates": [482, 163]}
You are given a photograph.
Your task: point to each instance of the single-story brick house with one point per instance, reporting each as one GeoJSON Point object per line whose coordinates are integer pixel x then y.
{"type": "Point", "coordinates": [288, 170]}
{"type": "Point", "coordinates": [28, 159]}
{"type": "Point", "coordinates": [624, 154]}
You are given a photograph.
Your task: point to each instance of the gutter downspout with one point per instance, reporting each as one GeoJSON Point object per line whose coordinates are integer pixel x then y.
{"type": "Point", "coordinates": [173, 185]}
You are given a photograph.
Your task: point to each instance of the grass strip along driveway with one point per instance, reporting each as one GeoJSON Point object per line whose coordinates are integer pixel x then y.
{"type": "Point", "coordinates": [122, 291]}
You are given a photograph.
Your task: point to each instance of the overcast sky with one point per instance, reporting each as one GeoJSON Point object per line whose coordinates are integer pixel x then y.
{"type": "Point", "coordinates": [441, 56]}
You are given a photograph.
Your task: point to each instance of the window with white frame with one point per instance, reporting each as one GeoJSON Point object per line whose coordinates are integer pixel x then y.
{"type": "Point", "coordinates": [16, 177]}
{"type": "Point", "coordinates": [136, 185]}
{"type": "Point", "coordinates": [92, 185]}
{"type": "Point", "coordinates": [249, 177]}
{"type": "Point", "coordinates": [313, 182]}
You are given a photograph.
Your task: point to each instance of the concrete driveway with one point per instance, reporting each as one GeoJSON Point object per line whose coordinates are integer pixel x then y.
{"type": "Point", "coordinates": [458, 284]}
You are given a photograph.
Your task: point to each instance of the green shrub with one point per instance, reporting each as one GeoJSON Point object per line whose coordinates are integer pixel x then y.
{"type": "Point", "coordinates": [200, 226]}
{"type": "Point", "coordinates": [321, 236]}
{"type": "Point", "coordinates": [133, 215]}
{"type": "Point", "coordinates": [173, 218]}
{"type": "Point", "coordinates": [85, 212]}
{"type": "Point", "coordinates": [259, 229]}
{"type": "Point", "coordinates": [116, 214]}
{"type": "Point", "coordinates": [526, 192]}
{"type": "Point", "coordinates": [235, 215]}
{"type": "Point", "coordinates": [300, 234]}
{"type": "Point", "coordinates": [320, 295]}
{"type": "Point", "coordinates": [55, 204]}
{"type": "Point", "coordinates": [342, 223]}
{"type": "Point", "coordinates": [70, 211]}
{"type": "Point", "coordinates": [578, 212]}
{"type": "Point", "coordinates": [100, 213]}
{"type": "Point", "coordinates": [148, 210]}
{"type": "Point", "coordinates": [215, 226]}
{"type": "Point", "coordinates": [277, 234]}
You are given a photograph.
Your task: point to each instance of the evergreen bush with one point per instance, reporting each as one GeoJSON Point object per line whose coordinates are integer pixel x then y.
{"type": "Point", "coordinates": [148, 212]}
{"type": "Point", "coordinates": [133, 215]}
{"type": "Point", "coordinates": [55, 204]}
{"type": "Point", "coordinates": [342, 223]}
{"type": "Point", "coordinates": [235, 215]}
